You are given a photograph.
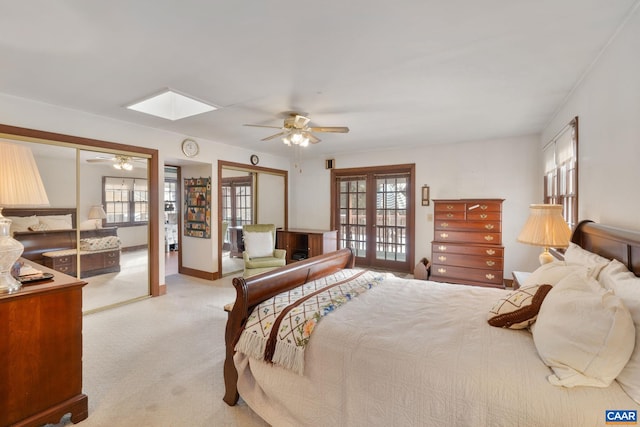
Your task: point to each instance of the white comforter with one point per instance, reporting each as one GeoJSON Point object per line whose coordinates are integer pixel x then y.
{"type": "Point", "coordinates": [416, 353]}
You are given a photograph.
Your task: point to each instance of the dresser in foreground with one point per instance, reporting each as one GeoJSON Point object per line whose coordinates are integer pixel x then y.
{"type": "Point", "coordinates": [41, 352]}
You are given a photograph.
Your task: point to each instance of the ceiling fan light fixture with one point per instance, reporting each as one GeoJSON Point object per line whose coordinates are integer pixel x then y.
{"type": "Point", "coordinates": [296, 137]}
{"type": "Point", "coordinates": [123, 163]}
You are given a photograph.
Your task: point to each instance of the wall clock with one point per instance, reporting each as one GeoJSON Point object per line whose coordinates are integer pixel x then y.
{"type": "Point", "coordinates": [190, 147]}
{"type": "Point", "coordinates": [254, 159]}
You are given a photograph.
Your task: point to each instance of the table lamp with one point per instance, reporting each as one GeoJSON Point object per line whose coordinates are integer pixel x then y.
{"type": "Point", "coordinates": [97, 213]}
{"type": "Point", "coordinates": [20, 185]}
{"type": "Point", "coordinates": [547, 228]}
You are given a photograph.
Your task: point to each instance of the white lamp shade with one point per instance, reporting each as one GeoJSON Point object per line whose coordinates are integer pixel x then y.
{"type": "Point", "coordinates": [97, 212]}
{"type": "Point", "coordinates": [545, 227]}
{"type": "Point", "coordinates": [20, 182]}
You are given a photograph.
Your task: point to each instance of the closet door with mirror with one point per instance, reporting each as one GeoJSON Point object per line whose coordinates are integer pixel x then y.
{"type": "Point", "coordinates": [97, 224]}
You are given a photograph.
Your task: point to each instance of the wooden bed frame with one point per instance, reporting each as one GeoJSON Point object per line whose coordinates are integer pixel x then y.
{"type": "Point", "coordinates": [609, 242]}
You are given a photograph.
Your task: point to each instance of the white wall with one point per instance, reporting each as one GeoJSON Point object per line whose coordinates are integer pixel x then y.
{"type": "Point", "coordinates": [607, 103]}
{"type": "Point", "coordinates": [505, 168]}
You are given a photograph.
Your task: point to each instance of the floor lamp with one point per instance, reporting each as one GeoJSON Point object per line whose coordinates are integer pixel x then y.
{"type": "Point", "coordinates": [20, 185]}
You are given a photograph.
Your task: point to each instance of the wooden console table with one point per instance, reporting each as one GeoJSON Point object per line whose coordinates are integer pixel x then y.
{"type": "Point", "coordinates": [41, 352]}
{"type": "Point", "coordinates": [302, 244]}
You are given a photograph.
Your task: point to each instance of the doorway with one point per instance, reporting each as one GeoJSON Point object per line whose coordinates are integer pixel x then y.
{"type": "Point", "coordinates": [373, 211]}
{"type": "Point", "coordinates": [171, 220]}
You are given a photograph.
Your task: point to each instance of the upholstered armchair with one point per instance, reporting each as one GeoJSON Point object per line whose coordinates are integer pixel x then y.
{"type": "Point", "coordinates": [259, 253]}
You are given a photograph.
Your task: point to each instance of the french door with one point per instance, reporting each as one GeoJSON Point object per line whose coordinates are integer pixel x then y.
{"type": "Point", "coordinates": [373, 211]}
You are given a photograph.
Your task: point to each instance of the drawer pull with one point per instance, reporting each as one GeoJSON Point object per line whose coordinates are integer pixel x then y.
{"type": "Point", "coordinates": [484, 207]}
{"type": "Point", "coordinates": [490, 276]}
{"type": "Point", "coordinates": [489, 226]}
{"type": "Point", "coordinates": [488, 237]}
{"type": "Point", "coordinates": [444, 235]}
{"type": "Point", "coordinates": [442, 248]}
{"type": "Point", "coordinates": [491, 263]}
{"type": "Point", "coordinates": [449, 215]}
{"type": "Point", "coordinates": [449, 207]}
{"type": "Point", "coordinates": [491, 252]}
{"type": "Point", "coordinates": [444, 224]}
{"type": "Point", "coordinates": [484, 216]}
{"type": "Point", "coordinates": [442, 258]}
{"type": "Point", "coordinates": [442, 270]}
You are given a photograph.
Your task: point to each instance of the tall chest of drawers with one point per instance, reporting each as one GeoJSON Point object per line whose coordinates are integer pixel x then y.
{"type": "Point", "coordinates": [467, 246]}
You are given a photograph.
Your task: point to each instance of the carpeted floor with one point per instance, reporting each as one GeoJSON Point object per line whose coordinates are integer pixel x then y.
{"type": "Point", "coordinates": [158, 362]}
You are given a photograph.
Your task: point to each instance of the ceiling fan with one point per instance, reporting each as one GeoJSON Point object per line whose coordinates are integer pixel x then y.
{"type": "Point", "coordinates": [119, 161]}
{"type": "Point", "coordinates": [296, 131]}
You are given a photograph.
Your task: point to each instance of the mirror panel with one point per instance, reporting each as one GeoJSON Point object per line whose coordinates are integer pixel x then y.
{"type": "Point", "coordinates": [114, 261]}
{"type": "Point", "coordinates": [263, 191]}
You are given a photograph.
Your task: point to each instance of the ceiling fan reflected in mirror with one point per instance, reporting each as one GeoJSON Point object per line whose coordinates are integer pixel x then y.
{"type": "Point", "coordinates": [120, 162]}
{"type": "Point", "coordinates": [296, 130]}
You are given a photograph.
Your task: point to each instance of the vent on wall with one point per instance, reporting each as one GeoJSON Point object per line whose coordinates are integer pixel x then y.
{"type": "Point", "coordinates": [329, 163]}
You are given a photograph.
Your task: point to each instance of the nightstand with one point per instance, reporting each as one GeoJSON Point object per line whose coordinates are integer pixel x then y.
{"type": "Point", "coordinates": [519, 277]}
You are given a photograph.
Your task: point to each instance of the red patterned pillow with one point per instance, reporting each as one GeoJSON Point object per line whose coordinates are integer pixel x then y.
{"type": "Point", "coordinates": [518, 309]}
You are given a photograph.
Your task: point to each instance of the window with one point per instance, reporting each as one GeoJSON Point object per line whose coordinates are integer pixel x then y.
{"type": "Point", "coordinates": [561, 172]}
{"type": "Point", "coordinates": [126, 201]}
{"type": "Point", "coordinates": [237, 200]}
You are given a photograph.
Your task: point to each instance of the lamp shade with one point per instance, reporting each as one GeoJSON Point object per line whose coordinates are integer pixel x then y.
{"type": "Point", "coordinates": [545, 227]}
{"type": "Point", "coordinates": [20, 182]}
{"type": "Point", "coordinates": [97, 212]}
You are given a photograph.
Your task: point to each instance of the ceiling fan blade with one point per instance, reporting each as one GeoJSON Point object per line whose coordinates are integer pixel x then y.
{"type": "Point", "coordinates": [335, 129]}
{"type": "Point", "coordinates": [312, 138]}
{"type": "Point", "coordinates": [99, 160]}
{"type": "Point", "coordinates": [300, 122]}
{"type": "Point", "coordinates": [273, 136]}
{"type": "Point", "coordinates": [263, 126]}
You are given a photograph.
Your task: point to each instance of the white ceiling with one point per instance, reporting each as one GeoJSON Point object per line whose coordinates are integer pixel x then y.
{"type": "Point", "coordinates": [401, 73]}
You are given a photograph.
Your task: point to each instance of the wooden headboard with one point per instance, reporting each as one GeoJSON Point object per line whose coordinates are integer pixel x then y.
{"type": "Point", "coordinates": [610, 242]}
{"type": "Point", "coordinates": [41, 212]}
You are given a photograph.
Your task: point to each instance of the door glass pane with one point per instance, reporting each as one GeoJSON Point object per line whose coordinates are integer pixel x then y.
{"type": "Point", "coordinates": [391, 204]}
{"type": "Point", "coordinates": [353, 218]}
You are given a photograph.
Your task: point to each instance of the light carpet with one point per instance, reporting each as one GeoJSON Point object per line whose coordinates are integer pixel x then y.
{"type": "Point", "coordinates": [158, 362]}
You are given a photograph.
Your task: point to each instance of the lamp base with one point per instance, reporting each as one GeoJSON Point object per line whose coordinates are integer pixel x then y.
{"type": "Point", "coordinates": [8, 284]}
{"type": "Point", "coordinates": [545, 257]}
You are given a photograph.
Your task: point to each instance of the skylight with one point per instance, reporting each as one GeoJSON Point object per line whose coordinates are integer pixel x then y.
{"type": "Point", "coordinates": [171, 105]}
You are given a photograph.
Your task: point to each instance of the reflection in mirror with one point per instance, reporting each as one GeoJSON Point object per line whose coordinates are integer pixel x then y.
{"type": "Point", "coordinates": [248, 195]}
{"type": "Point", "coordinates": [114, 241]}
{"type": "Point", "coordinates": [81, 235]}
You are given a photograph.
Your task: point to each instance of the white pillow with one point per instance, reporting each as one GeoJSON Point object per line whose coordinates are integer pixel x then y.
{"type": "Point", "coordinates": [626, 286]}
{"type": "Point", "coordinates": [577, 255]}
{"type": "Point", "coordinates": [258, 244]}
{"type": "Point", "coordinates": [584, 333]}
{"type": "Point", "coordinates": [22, 223]}
{"type": "Point", "coordinates": [57, 222]}
{"type": "Point", "coordinates": [553, 272]}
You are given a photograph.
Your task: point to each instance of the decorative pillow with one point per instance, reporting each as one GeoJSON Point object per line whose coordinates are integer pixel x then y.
{"type": "Point", "coordinates": [551, 273]}
{"type": "Point", "coordinates": [626, 286]}
{"type": "Point", "coordinates": [584, 333]}
{"type": "Point", "coordinates": [22, 223]}
{"type": "Point", "coordinates": [577, 255]}
{"type": "Point", "coordinates": [57, 222]}
{"type": "Point", "coordinates": [39, 227]}
{"type": "Point", "coordinates": [258, 244]}
{"type": "Point", "coordinates": [518, 309]}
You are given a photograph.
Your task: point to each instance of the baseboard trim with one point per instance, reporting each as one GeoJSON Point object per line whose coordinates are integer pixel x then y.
{"type": "Point", "coordinates": [206, 275]}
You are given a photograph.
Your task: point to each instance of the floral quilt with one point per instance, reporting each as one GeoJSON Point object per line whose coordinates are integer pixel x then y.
{"type": "Point", "coordinates": [278, 330]}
